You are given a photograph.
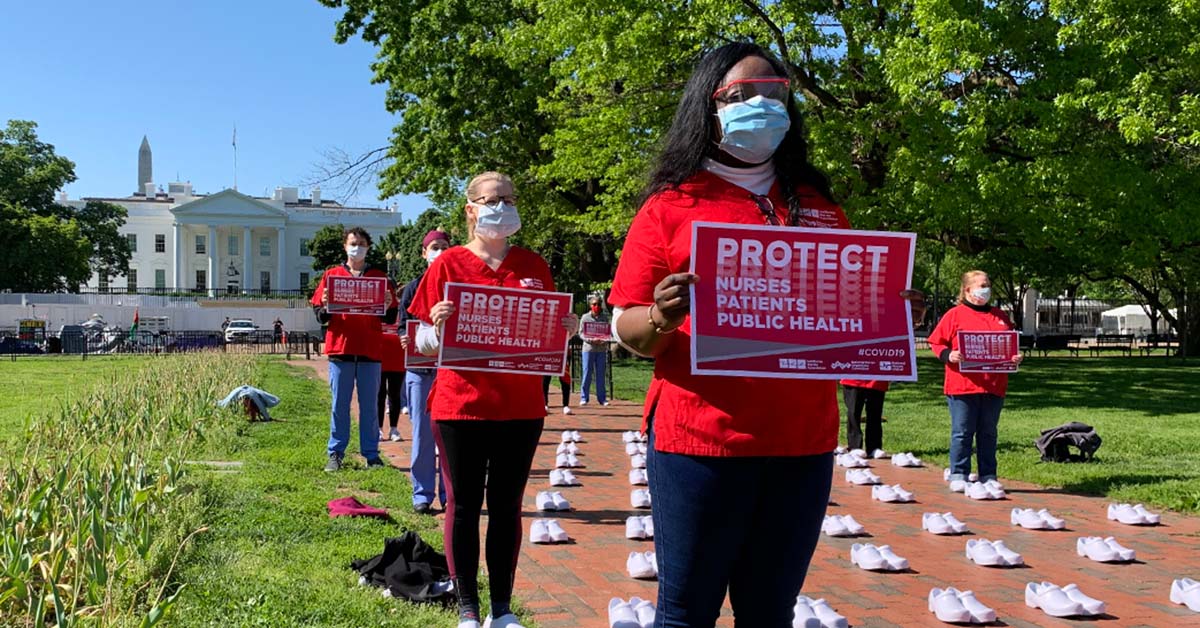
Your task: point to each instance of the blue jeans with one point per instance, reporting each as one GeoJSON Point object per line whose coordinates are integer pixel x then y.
{"type": "Point", "coordinates": [594, 363]}
{"type": "Point", "coordinates": [746, 525]}
{"type": "Point", "coordinates": [343, 378]}
{"type": "Point", "coordinates": [973, 421]}
{"type": "Point", "coordinates": [423, 462]}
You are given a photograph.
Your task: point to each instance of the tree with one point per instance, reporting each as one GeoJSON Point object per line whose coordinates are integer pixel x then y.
{"type": "Point", "coordinates": [1059, 138]}
{"type": "Point", "coordinates": [403, 242]}
{"type": "Point", "coordinates": [45, 246]}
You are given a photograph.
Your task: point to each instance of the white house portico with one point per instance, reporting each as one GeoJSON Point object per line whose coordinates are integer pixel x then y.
{"type": "Point", "coordinates": [225, 242]}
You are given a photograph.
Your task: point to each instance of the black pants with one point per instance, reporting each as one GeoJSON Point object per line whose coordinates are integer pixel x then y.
{"type": "Point", "coordinates": [478, 458]}
{"type": "Point", "coordinates": [562, 385]}
{"type": "Point", "coordinates": [391, 387]}
{"type": "Point", "coordinates": [857, 399]}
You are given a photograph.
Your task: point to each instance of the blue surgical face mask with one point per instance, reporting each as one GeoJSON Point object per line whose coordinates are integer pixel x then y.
{"type": "Point", "coordinates": [497, 221]}
{"type": "Point", "coordinates": [982, 294]}
{"type": "Point", "coordinates": [751, 130]}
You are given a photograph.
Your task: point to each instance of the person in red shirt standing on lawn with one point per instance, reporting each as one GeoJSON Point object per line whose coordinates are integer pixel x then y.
{"type": "Point", "coordinates": [739, 481]}
{"type": "Point", "coordinates": [391, 382]}
{"type": "Point", "coordinates": [860, 395]}
{"type": "Point", "coordinates": [975, 399]}
{"type": "Point", "coordinates": [487, 425]}
{"type": "Point", "coordinates": [354, 345]}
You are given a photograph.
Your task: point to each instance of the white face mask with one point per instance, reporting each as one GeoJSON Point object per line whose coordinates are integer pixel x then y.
{"type": "Point", "coordinates": [433, 254]}
{"type": "Point", "coordinates": [356, 253]}
{"type": "Point", "coordinates": [982, 294]}
{"type": "Point", "coordinates": [494, 223]}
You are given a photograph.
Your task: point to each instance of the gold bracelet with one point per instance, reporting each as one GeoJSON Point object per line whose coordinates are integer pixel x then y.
{"type": "Point", "coordinates": [657, 329]}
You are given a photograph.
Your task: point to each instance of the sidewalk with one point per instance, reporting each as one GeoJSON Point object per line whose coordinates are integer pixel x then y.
{"type": "Point", "coordinates": [569, 586]}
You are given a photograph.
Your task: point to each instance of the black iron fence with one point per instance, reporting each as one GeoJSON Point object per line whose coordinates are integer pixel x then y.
{"type": "Point", "coordinates": [86, 343]}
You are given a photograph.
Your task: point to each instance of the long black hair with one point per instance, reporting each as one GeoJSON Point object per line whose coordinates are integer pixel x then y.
{"type": "Point", "coordinates": [690, 138]}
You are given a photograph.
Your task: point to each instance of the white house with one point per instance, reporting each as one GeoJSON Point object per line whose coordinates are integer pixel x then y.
{"type": "Point", "coordinates": [227, 241]}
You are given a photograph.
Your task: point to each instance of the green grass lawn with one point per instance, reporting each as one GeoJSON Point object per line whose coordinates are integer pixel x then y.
{"type": "Point", "coordinates": [1145, 409]}
{"type": "Point", "coordinates": [272, 556]}
{"type": "Point", "coordinates": [33, 386]}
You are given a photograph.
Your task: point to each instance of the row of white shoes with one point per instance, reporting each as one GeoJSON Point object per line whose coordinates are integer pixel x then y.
{"type": "Point", "coordinates": [563, 477]}
{"type": "Point", "coordinates": [959, 607]}
{"type": "Point", "coordinates": [862, 477]}
{"type": "Point", "coordinates": [810, 613]}
{"type": "Point", "coordinates": [567, 461]}
{"type": "Point", "coordinates": [572, 436]}
{"type": "Point", "coordinates": [639, 527]}
{"type": "Point", "coordinates": [1031, 519]}
{"type": "Point", "coordinates": [891, 494]}
{"type": "Point", "coordinates": [636, 613]}
{"type": "Point", "coordinates": [567, 448]}
{"type": "Point", "coordinates": [638, 477]}
{"type": "Point", "coordinates": [642, 565]}
{"type": "Point", "coordinates": [551, 501]}
{"type": "Point", "coordinates": [942, 523]}
{"type": "Point", "coordinates": [639, 498]}
{"type": "Point", "coordinates": [987, 553]}
{"type": "Point", "coordinates": [634, 437]}
{"type": "Point", "coordinates": [1187, 592]}
{"type": "Point", "coordinates": [906, 459]}
{"type": "Point", "coordinates": [1132, 515]}
{"type": "Point", "coordinates": [547, 531]}
{"type": "Point", "coordinates": [842, 525]}
{"type": "Point", "coordinates": [871, 558]}
{"type": "Point", "coordinates": [1066, 601]}
{"type": "Point", "coordinates": [852, 461]}
{"type": "Point", "coordinates": [1106, 550]}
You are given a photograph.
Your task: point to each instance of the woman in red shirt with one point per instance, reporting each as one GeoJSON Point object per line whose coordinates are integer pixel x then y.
{"type": "Point", "coordinates": [739, 481]}
{"type": "Point", "coordinates": [487, 425]}
{"type": "Point", "coordinates": [975, 399]}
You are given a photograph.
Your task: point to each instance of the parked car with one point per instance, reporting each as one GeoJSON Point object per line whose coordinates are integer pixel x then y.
{"type": "Point", "coordinates": [240, 330]}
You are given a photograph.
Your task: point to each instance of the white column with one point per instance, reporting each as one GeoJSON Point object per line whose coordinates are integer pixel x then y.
{"type": "Point", "coordinates": [280, 250]}
{"type": "Point", "coordinates": [177, 251]}
{"type": "Point", "coordinates": [247, 267]}
{"type": "Point", "coordinates": [212, 260]}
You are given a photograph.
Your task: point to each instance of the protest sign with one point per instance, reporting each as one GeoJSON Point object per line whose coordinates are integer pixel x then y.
{"type": "Point", "coordinates": [414, 359]}
{"type": "Point", "coordinates": [988, 351]}
{"type": "Point", "coordinates": [505, 330]}
{"type": "Point", "coordinates": [597, 331]}
{"type": "Point", "coordinates": [357, 295]}
{"type": "Point", "coordinates": [801, 303]}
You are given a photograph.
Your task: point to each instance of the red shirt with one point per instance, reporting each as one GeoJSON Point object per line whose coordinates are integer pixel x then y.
{"type": "Point", "coordinates": [865, 383]}
{"type": "Point", "coordinates": [393, 352]}
{"type": "Point", "coordinates": [710, 415]}
{"type": "Point", "coordinates": [479, 395]}
{"type": "Point", "coordinates": [353, 334]}
{"type": "Point", "coordinates": [945, 337]}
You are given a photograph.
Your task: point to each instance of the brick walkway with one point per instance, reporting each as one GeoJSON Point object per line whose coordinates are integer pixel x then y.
{"type": "Point", "coordinates": [570, 585]}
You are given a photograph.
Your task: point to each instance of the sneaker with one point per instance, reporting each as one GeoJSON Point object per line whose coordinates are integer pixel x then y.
{"type": "Point", "coordinates": [538, 532]}
{"type": "Point", "coordinates": [375, 463]}
{"type": "Point", "coordinates": [404, 410]}
{"type": "Point", "coordinates": [637, 461]}
{"type": "Point", "coordinates": [335, 463]}
{"type": "Point", "coordinates": [504, 621]}
{"type": "Point", "coordinates": [639, 498]}
{"type": "Point", "coordinates": [394, 436]}
{"type": "Point", "coordinates": [556, 531]}
{"type": "Point", "coordinates": [605, 404]}
{"type": "Point", "coordinates": [583, 402]}
{"type": "Point", "coordinates": [634, 529]}
{"type": "Point", "coordinates": [422, 509]}
{"type": "Point", "coordinates": [637, 477]}
{"type": "Point", "coordinates": [639, 566]}
{"type": "Point", "coordinates": [803, 615]}
{"type": "Point", "coordinates": [1187, 592]}
{"type": "Point", "coordinates": [648, 526]}
{"type": "Point", "coordinates": [879, 454]}
{"type": "Point", "coordinates": [566, 409]}
{"type": "Point", "coordinates": [545, 501]}
{"type": "Point", "coordinates": [622, 615]}
{"type": "Point", "coordinates": [958, 486]}
{"type": "Point", "coordinates": [560, 502]}
{"type": "Point", "coordinates": [645, 612]}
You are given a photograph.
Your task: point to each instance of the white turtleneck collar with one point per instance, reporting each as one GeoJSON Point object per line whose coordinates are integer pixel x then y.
{"type": "Point", "coordinates": [758, 179]}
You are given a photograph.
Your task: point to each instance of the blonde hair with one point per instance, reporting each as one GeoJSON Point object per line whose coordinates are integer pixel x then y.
{"type": "Point", "coordinates": [967, 278]}
{"type": "Point", "coordinates": [473, 192]}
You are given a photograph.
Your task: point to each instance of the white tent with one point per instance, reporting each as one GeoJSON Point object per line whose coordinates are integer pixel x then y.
{"type": "Point", "coordinates": [1127, 319]}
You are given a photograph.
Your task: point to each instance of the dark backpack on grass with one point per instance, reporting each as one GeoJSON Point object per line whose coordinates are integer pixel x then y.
{"type": "Point", "coordinates": [1055, 443]}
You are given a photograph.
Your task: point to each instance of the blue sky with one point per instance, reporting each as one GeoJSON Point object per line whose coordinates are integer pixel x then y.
{"type": "Point", "coordinates": [96, 76]}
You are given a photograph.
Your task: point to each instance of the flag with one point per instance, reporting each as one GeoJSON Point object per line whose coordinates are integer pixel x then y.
{"type": "Point", "coordinates": [134, 328]}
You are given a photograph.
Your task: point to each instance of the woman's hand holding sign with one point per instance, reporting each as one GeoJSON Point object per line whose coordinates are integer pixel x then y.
{"type": "Point", "coordinates": [672, 302]}
{"type": "Point", "coordinates": [440, 312]}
